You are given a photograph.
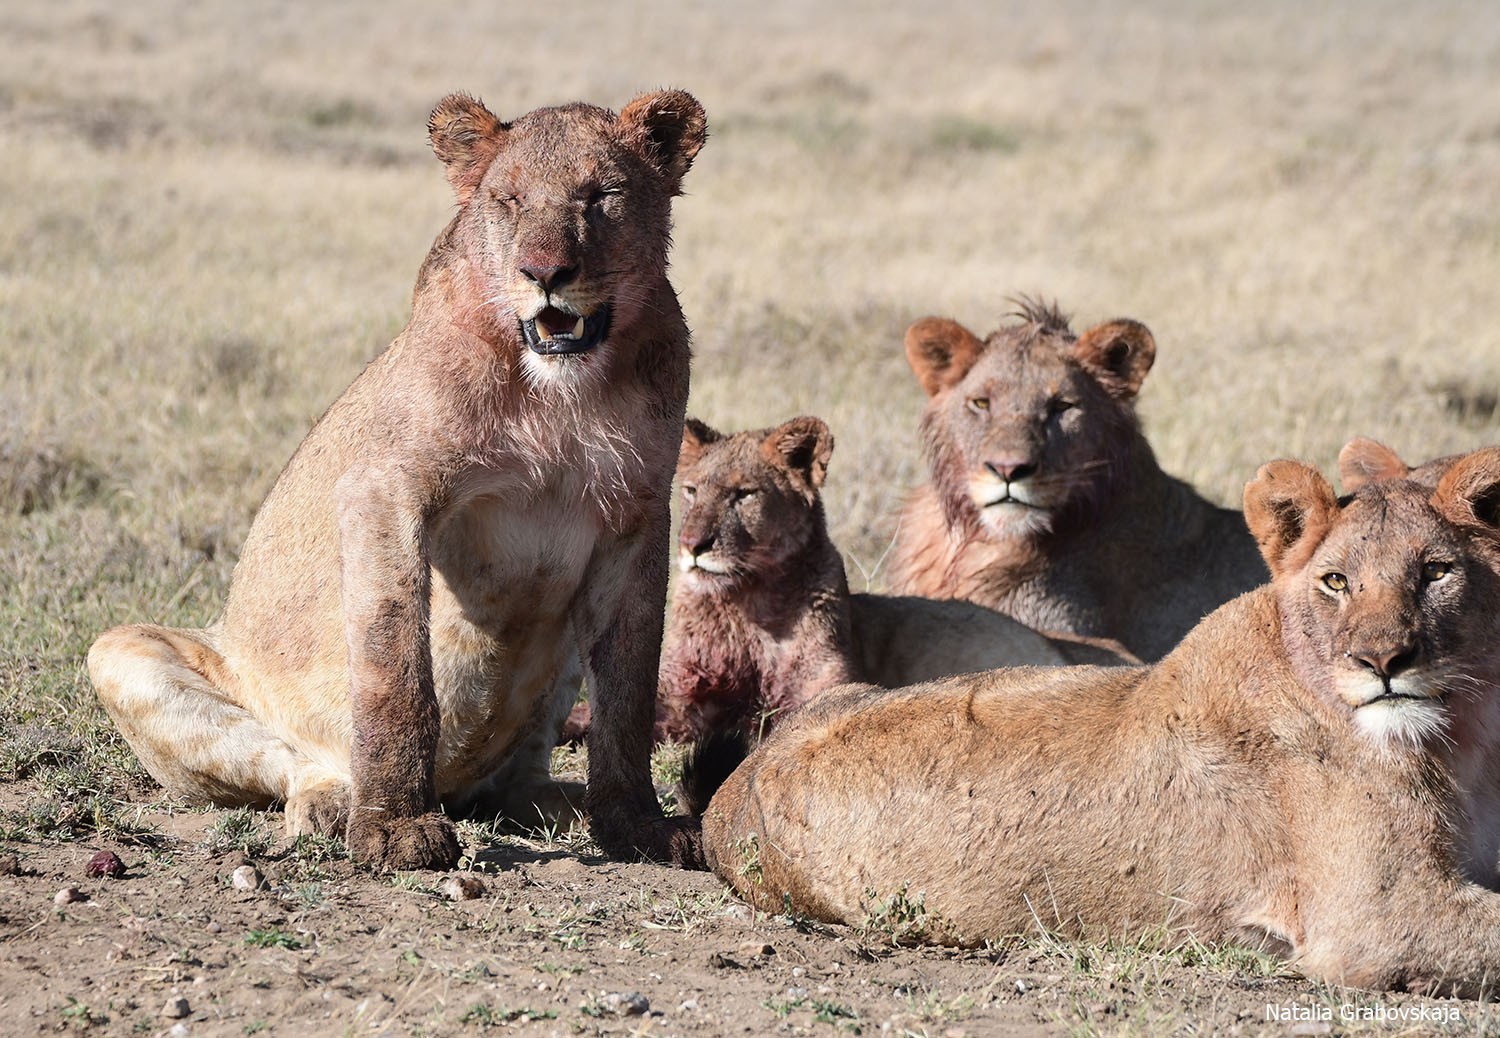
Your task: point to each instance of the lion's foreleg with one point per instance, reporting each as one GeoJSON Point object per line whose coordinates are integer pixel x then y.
{"type": "Point", "coordinates": [619, 627]}
{"type": "Point", "coordinates": [386, 588]}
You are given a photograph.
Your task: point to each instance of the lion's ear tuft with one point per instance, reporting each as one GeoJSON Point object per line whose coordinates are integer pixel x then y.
{"type": "Point", "coordinates": [696, 436]}
{"type": "Point", "coordinates": [1363, 460]}
{"type": "Point", "coordinates": [669, 127]}
{"type": "Point", "coordinates": [941, 351]}
{"type": "Point", "coordinates": [1468, 494]}
{"type": "Point", "coordinates": [1119, 354]}
{"type": "Point", "coordinates": [466, 136]}
{"type": "Point", "coordinates": [1289, 507]}
{"type": "Point", "coordinates": [802, 446]}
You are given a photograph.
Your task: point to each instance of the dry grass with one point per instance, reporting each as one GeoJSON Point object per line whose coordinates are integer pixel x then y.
{"type": "Point", "coordinates": [210, 217]}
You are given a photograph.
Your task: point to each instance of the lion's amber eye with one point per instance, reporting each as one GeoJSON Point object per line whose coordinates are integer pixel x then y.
{"type": "Point", "coordinates": [1434, 571]}
{"type": "Point", "coordinates": [979, 404]}
{"type": "Point", "coordinates": [1335, 582]}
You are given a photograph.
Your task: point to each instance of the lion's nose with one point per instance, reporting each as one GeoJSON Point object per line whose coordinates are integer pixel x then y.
{"type": "Point", "coordinates": [549, 278]}
{"type": "Point", "coordinates": [698, 544]}
{"type": "Point", "coordinates": [1011, 469]}
{"type": "Point", "coordinates": [1386, 663]}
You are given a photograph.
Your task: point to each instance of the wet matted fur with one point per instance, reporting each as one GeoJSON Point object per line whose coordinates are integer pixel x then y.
{"type": "Point", "coordinates": [1044, 499]}
{"type": "Point", "coordinates": [485, 504]}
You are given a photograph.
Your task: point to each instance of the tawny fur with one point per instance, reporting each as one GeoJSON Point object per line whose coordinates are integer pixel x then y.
{"type": "Point", "coordinates": [762, 618]}
{"type": "Point", "coordinates": [1277, 779]}
{"type": "Point", "coordinates": [485, 505]}
{"type": "Point", "coordinates": [1045, 501]}
{"type": "Point", "coordinates": [1473, 750]}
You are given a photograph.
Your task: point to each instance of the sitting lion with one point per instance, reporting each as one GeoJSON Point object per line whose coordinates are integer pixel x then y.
{"type": "Point", "coordinates": [493, 484]}
{"type": "Point", "coordinates": [1276, 779]}
{"type": "Point", "coordinates": [762, 618]}
{"type": "Point", "coordinates": [1045, 500]}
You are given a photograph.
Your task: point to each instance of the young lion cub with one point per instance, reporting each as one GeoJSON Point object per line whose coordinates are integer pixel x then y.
{"type": "Point", "coordinates": [1276, 779]}
{"type": "Point", "coordinates": [762, 617]}
{"type": "Point", "coordinates": [496, 479]}
{"type": "Point", "coordinates": [1045, 501]}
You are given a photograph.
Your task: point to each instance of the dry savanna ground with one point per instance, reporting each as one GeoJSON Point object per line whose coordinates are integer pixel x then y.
{"type": "Point", "coordinates": [210, 217]}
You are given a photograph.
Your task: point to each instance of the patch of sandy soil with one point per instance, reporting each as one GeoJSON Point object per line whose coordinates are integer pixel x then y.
{"type": "Point", "coordinates": [549, 941]}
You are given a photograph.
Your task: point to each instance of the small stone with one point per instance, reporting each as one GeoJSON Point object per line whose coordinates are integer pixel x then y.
{"type": "Point", "coordinates": [105, 863]}
{"type": "Point", "coordinates": [246, 877]}
{"type": "Point", "coordinates": [1021, 987]}
{"type": "Point", "coordinates": [798, 971]}
{"type": "Point", "coordinates": [796, 992]}
{"type": "Point", "coordinates": [214, 926]}
{"type": "Point", "coordinates": [757, 948]}
{"type": "Point", "coordinates": [688, 1006]}
{"type": "Point", "coordinates": [10, 864]}
{"type": "Point", "coordinates": [178, 1031]}
{"type": "Point", "coordinates": [461, 888]}
{"type": "Point", "coordinates": [68, 895]}
{"type": "Point", "coordinates": [176, 1008]}
{"type": "Point", "coordinates": [625, 1003]}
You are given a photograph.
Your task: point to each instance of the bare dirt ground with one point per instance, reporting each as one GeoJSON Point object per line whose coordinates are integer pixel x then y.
{"type": "Point", "coordinates": [557, 940]}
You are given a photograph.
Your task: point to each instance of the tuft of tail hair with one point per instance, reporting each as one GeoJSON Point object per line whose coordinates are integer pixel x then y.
{"type": "Point", "coordinates": [710, 761]}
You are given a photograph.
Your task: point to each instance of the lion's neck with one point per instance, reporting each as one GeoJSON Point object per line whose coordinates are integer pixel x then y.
{"type": "Point", "coordinates": [752, 648]}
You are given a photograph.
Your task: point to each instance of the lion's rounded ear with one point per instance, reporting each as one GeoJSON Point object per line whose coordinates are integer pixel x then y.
{"type": "Point", "coordinates": [1468, 494]}
{"type": "Point", "coordinates": [1289, 507]}
{"type": "Point", "coordinates": [466, 136]}
{"type": "Point", "coordinates": [669, 126]}
{"type": "Point", "coordinates": [1119, 354]}
{"type": "Point", "coordinates": [1363, 460]}
{"type": "Point", "coordinates": [696, 435]}
{"type": "Point", "coordinates": [941, 351]}
{"type": "Point", "coordinates": [802, 446]}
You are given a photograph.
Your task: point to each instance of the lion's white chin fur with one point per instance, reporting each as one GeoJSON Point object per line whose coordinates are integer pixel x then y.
{"type": "Point", "coordinates": [1402, 723]}
{"type": "Point", "coordinates": [1405, 723]}
{"type": "Point", "coordinates": [1015, 520]}
{"type": "Point", "coordinates": [568, 374]}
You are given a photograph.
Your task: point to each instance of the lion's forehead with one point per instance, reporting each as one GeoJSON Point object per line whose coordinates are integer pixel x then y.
{"type": "Point", "coordinates": [1390, 537]}
{"type": "Point", "coordinates": [561, 154]}
{"type": "Point", "coordinates": [1024, 375]}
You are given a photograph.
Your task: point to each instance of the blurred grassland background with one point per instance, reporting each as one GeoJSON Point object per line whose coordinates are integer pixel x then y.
{"type": "Point", "coordinates": [211, 215]}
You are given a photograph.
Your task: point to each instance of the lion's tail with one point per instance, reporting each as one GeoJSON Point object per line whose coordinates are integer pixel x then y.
{"type": "Point", "coordinates": [710, 761]}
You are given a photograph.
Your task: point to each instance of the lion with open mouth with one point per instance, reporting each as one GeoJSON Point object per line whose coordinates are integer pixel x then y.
{"type": "Point", "coordinates": [484, 506]}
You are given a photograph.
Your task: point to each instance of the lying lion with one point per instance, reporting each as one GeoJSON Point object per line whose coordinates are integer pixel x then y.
{"type": "Point", "coordinates": [1474, 752]}
{"type": "Point", "coordinates": [1275, 780]}
{"type": "Point", "coordinates": [496, 479]}
{"type": "Point", "coordinates": [1045, 501]}
{"type": "Point", "coordinates": [762, 619]}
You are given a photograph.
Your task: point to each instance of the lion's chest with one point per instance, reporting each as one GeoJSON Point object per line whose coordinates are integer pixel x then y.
{"type": "Point", "coordinates": [506, 568]}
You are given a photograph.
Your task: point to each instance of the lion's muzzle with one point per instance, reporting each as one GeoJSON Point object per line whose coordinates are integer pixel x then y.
{"type": "Point", "coordinates": [553, 332]}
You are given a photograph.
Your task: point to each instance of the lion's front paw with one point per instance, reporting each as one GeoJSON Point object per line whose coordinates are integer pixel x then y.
{"type": "Point", "coordinates": [322, 809]}
{"type": "Point", "coordinates": [387, 843]}
{"type": "Point", "coordinates": [675, 841]}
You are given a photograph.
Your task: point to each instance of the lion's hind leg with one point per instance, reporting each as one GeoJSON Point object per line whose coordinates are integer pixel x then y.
{"type": "Point", "coordinates": [173, 697]}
